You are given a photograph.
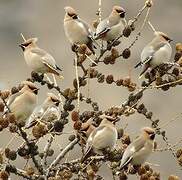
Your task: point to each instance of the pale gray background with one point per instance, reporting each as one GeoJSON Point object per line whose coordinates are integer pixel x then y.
{"type": "Point", "coordinates": [44, 19]}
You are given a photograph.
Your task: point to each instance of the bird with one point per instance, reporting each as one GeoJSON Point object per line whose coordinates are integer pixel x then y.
{"type": "Point", "coordinates": [111, 27]}
{"type": "Point", "coordinates": [102, 137]}
{"type": "Point", "coordinates": [38, 59]}
{"type": "Point", "coordinates": [48, 112]}
{"type": "Point", "coordinates": [140, 149]}
{"type": "Point", "coordinates": [77, 31]}
{"type": "Point", "coordinates": [157, 52]}
{"type": "Point", "coordinates": [22, 103]}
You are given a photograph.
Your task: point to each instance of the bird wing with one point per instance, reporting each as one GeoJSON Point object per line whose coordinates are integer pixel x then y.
{"type": "Point", "coordinates": [149, 51]}
{"type": "Point", "coordinates": [13, 97]}
{"type": "Point", "coordinates": [90, 140]}
{"type": "Point", "coordinates": [102, 28]}
{"type": "Point", "coordinates": [37, 113]}
{"type": "Point", "coordinates": [46, 58]}
{"type": "Point", "coordinates": [133, 148]}
{"type": "Point", "coordinates": [86, 26]}
{"type": "Point", "coordinates": [90, 34]}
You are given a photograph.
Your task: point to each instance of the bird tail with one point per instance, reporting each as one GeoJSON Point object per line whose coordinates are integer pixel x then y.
{"type": "Point", "coordinates": [138, 64]}
{"type": "Point", "coordinates": [31, 124]}
{"type": "Point", "coordinates": [86, 154]}
{"type": "Point", "coordinates": [61, 77]}
{"type": "Point", "coordinates": [144, 70]}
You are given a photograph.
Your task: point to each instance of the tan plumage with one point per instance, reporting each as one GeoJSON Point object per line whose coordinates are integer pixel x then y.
{"type": "Point", "coordinates": [111, 27]}
{"type": "Point", "coordinates": [157, 52]}
{"type": "Point", "coordinates": [48, 112]}
{"type": "Point", "coordinates": [102, 137]}
{"type": "Point", "coordinates": [140, 149]}
{"type": "Point", "coordinates": [37, 59]}
{"type": "Point", "coordinates": [23, 102]}
{"type": "Point", "coordinates": [77, 31]}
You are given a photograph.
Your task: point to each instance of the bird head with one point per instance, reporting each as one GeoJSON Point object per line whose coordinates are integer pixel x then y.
{"type": "Point", "coordinates": [70, 13]}
{"type": "Point", "coordinates": [149, 133]}
{"type": "Point", "coordinates": [27, 85]}
{"type": "Point", "coordinates": [53, 99]}
{"type": "Point", "coordinates": [119, 10]}
{"type": "Point", "coordinates": [163, 36]}
{"type": "Point", "coordinates": [28, 43]}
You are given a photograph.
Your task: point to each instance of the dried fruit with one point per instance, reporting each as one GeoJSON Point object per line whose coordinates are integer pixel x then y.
{"type": "Point", "coordinates": [75, 116]}
{"type": "Point", "coordinates": [5, 94]}
{"type": "Point", "coordinates": [110, 79]}
{"type": "Point", "coordinates": [14, 90]}
{"type": "Point", "coordinates": [58, 126]}
{"type": "Point", "coordinates": [126, 53]}
{"type": "Point", "coordinates": [114, 52]}
{"type": "Point", "coordinates": [4, 175]}
{"type": "Point", "coordinates": [127, 31]}
{"type": "Point", "coordinates": [72, 137]}
{"type": "Point", "coordinates": [82, 49]}
{"type": "Point", "coordinates": [141, 170]}
{"type": "Point", "coordinates": [1, 106]}
{"type": "Point", "coordinates": [30, 171]}
{"type": "Point", "coordinates": [179, 153]}
{"type": "Point", "coordinates": [77, 125]}
{"type": "Point", "coordinates": [12, 155]}
{"type": "Point", "coordinates": [119, 82]}
{"type": "Point", "coordinates": [50, 152]}
{"type": "Point", "coordinates": [173, 177]}
{"type": "Point", "coordinates": [39, 130]}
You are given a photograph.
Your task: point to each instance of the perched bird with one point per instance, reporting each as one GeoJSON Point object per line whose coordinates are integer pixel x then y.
{"type": "Point", "coordinates": [37, 59]}
{"type": "Point", "coordinates": [76, 30]}
{"type": "Point", "coordinates": [111, 27]}
{"type": "Point", "coordinates": [102, 137]}
{"type": "Point", "coordinates": [139, 150]}
{"type": "Point", "coordinates": [23, 102]}
{"type": "Point", "coordinates": [157, 52]}
{"type": "Point", "coordinates": [48, 112]}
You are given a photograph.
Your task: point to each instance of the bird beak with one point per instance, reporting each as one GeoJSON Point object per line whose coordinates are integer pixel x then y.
{"type": "Point", "coordinates": [122, 14]}
{"type": "Point", "coordinates": [23, 48]}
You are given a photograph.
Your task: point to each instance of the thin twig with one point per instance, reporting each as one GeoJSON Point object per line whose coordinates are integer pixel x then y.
{"type": "Point", "coordinates": [62, 154]}
{"type": "Point", "coordinates": [78, 84]}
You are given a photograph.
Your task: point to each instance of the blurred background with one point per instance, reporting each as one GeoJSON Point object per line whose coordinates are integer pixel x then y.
{"type": "Point", "coordinates": [44, 19]}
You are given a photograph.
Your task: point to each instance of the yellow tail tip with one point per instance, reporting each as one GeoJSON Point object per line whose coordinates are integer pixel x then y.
{"type": "Point", "coordinates": [61, 77]}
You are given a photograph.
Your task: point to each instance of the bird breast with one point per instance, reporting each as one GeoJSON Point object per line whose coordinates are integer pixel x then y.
{"type": "Point", "coordinates": [24, 105]}
{"type": "Point", "coordinates": [162, 55]}
{"type": "Point", "coordinates": [34, 61]}
{"type": "Point", "coordinates": [114, 32]}
{"type": "Point", "coordinates": [141, 156]}
{"type": "Point", "coordinates": [76, 32]}
{"type": "Point", "coordinates": [105, 138]}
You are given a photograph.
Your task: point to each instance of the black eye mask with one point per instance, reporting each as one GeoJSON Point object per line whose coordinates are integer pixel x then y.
{"type": "Point", "coordinates": [122, 14]}
{"type": "Point", "coordinates": [152, 136]}
{"type": "Point", "coordinates": [74, 16]}
{"type": "Point", "coordinates": [55, 101]}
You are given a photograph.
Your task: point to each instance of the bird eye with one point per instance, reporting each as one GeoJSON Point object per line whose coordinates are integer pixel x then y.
{"type": "Point", "coordinates": [167, 38]}
{"type": "Point", "coordinates": [26, 44]}
{"type": "Point", "coordinates": [56, 101]}
{"type": "Point", "coordinates": [34, 89]}
{"type": "Point", "coordinates": [74, 16]}
{"type": "Point", "coordinates": [152, 136]}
